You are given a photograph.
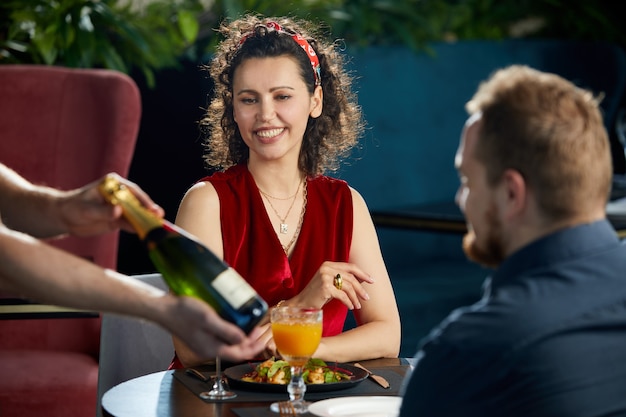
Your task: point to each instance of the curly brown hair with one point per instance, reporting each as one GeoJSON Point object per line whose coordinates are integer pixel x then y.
{"type": "Point", "coordinates": [327, 139]}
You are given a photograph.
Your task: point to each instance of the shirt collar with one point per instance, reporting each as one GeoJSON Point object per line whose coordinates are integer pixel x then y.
{"type": "Point", "coordinates": [568, 243]}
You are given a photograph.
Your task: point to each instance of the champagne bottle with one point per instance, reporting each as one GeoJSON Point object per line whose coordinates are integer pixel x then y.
{"type": "Point", "coordinates": [188, 267]}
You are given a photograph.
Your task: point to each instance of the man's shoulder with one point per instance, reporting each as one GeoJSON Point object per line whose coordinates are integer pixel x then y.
{"type": "Point", "coordinates": [483, 326]}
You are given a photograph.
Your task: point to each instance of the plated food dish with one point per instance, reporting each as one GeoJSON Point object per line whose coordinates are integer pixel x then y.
{"type": "Point", "coordinates": [326, 377]}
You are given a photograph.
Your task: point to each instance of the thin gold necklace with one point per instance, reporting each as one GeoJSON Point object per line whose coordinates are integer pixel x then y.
{"type": "Point", "coordinates": [280, 198]}
{"type": "Point", "coordinates": [300, 220]}
{"type": "Point", "coordinates": [284, 227]}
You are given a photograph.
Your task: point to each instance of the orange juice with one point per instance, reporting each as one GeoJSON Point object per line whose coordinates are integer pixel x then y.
{"type": "Point", "coordinates": [297, 341]}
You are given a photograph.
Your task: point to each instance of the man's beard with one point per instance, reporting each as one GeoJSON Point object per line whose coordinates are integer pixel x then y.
{"type": "Point", "coordinates": [492, 254]}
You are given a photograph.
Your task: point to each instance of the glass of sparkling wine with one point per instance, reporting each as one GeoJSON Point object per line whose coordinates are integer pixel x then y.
{"type": "Point", "coordinates": [297, 333]}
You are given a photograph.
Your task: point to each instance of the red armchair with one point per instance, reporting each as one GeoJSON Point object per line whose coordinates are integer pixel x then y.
{"type": "Point", "coordinates": [64, 128]}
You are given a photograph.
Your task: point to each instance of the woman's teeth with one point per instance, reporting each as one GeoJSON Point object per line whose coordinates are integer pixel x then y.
{"type": "Point", "coordinates": [270, 133]}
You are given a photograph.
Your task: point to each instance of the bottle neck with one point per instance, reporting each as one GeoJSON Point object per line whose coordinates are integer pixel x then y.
{"type": "Point", "coordinates": [142, 219]}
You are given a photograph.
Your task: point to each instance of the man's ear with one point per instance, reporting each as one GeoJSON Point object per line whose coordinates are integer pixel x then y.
{"type": "Point", "coordinates": [515, 193]}
{"type": "Point", "coordinates": [317, 102]}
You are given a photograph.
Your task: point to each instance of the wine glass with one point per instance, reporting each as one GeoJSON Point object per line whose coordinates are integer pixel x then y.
{"type": "Point", "coordinates": [297, 333]}
{"type": "Point", "coordinates": [218, 392]}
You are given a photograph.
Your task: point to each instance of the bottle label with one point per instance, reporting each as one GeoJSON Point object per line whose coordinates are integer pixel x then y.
{"type": "Point", "coordinates": [233, 288]}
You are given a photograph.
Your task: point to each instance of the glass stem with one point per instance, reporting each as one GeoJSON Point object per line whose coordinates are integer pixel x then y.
{"type": "Point", "coordinates": [296, 387]}
{"type": "Point", "coordinates": [218, 374]}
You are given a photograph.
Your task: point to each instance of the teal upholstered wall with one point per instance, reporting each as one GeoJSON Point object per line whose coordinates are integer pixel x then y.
{"type": "Point", "coordinates": [414, 104]}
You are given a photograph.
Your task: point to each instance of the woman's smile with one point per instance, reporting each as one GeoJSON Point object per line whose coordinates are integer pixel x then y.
{"type": "Point", "coordinates": [269, 135]}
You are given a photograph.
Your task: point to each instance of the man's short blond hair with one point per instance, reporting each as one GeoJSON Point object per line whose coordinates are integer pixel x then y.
{"type": "Point", "coordinates": [550, 131]}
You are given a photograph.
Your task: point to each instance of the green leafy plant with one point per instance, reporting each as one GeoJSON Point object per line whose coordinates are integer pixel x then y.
{"type": "Point", "coordinates": [98, 33]}
{"type": "Point", "coordinates": [118, 35]}
{"type": "Point", "coordinates": [415, 23]}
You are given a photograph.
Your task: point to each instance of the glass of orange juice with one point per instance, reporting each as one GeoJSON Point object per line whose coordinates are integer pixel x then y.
{"type": "Point", "coordinates": [297, 333]}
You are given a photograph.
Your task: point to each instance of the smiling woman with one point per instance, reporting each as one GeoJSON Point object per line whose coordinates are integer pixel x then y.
{"type": "Point", "coordinates": [283, 115]}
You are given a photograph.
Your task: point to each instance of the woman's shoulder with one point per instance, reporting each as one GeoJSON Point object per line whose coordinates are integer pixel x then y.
{"type": "Point", "coordinates": [225, 176]}
{"type": "Point", "coordinates": [217, 180]}
{"type": "Point", "coordinates": [326, 181]}
{"type": "Point", "coordinates": [336, 186]}
{"type": "Point", "coordinates": [199, 198]}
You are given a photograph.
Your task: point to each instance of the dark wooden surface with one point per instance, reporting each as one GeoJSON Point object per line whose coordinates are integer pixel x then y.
{"type": "Point", "coordinates": [437, 217]}
{"type": "Point", "coordinates": [18, 308]}
{"type": "Point", "coordinates": [447, 217]}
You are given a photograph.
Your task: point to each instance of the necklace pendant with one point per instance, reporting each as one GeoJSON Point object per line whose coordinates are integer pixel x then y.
{"type": "Point", "coordinates": [283, 228]}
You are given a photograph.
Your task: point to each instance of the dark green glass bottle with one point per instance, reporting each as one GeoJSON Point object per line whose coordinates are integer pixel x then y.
{"type": "Point", "coordinates": [188, 267]}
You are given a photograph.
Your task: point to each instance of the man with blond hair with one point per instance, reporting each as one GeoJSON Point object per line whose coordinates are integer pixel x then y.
{"type": "Point", "coordinates": [548, 337]}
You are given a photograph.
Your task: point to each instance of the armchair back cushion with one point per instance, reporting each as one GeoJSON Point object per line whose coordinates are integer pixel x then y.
{"type": "Point", "coordinates": [64, 128]}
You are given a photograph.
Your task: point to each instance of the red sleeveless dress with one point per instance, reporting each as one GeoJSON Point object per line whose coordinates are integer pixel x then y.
{"type": "Point", "coordinates": [252, 248]}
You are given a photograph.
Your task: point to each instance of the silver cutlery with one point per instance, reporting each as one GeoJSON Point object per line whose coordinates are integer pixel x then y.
{"type": "Point", "coordinates": [377, 378]}
{"type": "Point", "coordinates": [285, 408]}
{"type": "Point", "coordinates": [197, 374]}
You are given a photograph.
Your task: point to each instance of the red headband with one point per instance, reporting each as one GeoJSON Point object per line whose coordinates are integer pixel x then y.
{"type": "Point", "coordinates": [315, 62]}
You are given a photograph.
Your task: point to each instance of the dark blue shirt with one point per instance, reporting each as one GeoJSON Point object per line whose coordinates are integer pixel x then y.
{"type": "Point", "coordinates": [548, 338]}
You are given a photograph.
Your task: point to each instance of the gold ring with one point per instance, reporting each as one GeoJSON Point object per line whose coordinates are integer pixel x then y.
{"type": "Point", "coordinates": [338, 282]}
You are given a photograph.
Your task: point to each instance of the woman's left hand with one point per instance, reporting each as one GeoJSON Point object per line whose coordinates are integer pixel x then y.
{"type": "Point", "coordinates": [339, 280]}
